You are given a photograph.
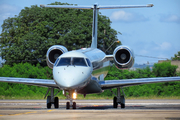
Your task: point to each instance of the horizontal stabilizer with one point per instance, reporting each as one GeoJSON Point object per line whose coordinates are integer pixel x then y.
{"type": "Point", "coordinates": [67, 6]}
{"type": "Point", "coordinates": [98, 7]}
{"type": "Point", "coordinates": [124, 6]}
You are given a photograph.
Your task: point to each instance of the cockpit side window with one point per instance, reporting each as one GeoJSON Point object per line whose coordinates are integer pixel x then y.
{"type": "Point", "coordinates": [57, 60]}
{"type": "Point", "coordinates": [88, 61]}
{"type": "Point", "coordinates": [79, 62]}
{"type": "Point", "coordinates": [64, 62]}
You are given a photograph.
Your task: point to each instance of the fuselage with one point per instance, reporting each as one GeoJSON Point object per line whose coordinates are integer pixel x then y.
{"type": "Point", "coordinates": [74, 70]}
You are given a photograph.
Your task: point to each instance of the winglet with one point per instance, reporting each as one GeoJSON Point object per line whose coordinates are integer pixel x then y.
{"type": "Point", "coordinates": [150, 5]}
{"type": "Point", "coordinates": [42, 5]}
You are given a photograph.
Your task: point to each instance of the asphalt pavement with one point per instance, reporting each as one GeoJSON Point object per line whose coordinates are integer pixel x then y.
{"type": "Point", "coordinates": [90, 109]}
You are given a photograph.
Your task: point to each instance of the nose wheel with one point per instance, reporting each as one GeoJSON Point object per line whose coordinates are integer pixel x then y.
{"type": "Point", "coordinates": [68, 105]}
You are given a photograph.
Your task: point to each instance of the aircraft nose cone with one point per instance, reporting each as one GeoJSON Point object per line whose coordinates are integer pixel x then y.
{"type": "Point", "coordinates": [68, 80]}
{"type": "Point", "coordinates": [71, 77]}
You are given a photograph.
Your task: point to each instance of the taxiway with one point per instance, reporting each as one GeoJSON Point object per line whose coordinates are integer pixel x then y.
{"type": "Point", "coordinates": [90, 109]}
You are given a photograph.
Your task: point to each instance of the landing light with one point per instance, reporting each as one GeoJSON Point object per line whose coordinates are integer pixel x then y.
{"type": "Point", "coordinates": [74, 95]}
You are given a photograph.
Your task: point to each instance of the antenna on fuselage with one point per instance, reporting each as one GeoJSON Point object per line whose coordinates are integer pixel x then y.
{"type": "Point", "coordinates": [96, 8]}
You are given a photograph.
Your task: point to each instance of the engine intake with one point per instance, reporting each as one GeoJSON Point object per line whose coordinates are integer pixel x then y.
{"type": "Point", "coordinates": [123, 57]}
{"type": "Point", "coordinates": [53, 53]}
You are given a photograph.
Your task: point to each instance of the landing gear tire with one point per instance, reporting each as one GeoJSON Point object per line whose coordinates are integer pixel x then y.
{"type": "Point", "coordinates": [48, 102]}
{"type": "Point", "coordinates": [68, 105]}
{"type": "Point", "coordinates": [122, 102]}
{"type": "Point", "coordinates": [74, 105]}
{"type": "Point", "coordinates": [115, 104]}
{"type": "Point", "coordinates": [122, 105]}
{"type": "Point", "coordinates": [56, 102]}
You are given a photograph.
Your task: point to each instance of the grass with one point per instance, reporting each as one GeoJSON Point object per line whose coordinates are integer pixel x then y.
{"type": "Point", "coordinates": [81, 97]}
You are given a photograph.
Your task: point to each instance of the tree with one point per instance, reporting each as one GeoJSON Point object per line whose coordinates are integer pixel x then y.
{"type": "Point", "coordinates": [28, 36]}
{"type": "Point", "coordinates": [176, 56]}
{"type": "Point", "coordinates": [164, 69]}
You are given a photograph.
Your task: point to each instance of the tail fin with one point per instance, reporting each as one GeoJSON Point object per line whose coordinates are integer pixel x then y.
{"type": "Point", "coordinates": [94, 27]}
{"type": "Point", "coordinates": [95, 18]}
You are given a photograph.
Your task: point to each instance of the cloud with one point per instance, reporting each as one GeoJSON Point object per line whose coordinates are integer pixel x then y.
{"type": "Point", "coordinates": [127, 16]}
{"type": "Point", "coordinates": [163, 46]}
{"type": "Point", "coordinates": [170, 18]}
{"type": "Point", "coordinates": [143, 52]}
{"type": "Point", "coordinates": [152, 51]}
{"type": "Point", "coordinates": [7, 10]}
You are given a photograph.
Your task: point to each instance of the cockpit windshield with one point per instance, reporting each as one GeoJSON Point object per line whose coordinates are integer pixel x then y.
{"type": "Point", "coordinates": [79, 62]}
{"type": "Point", "coordinates": [72, 61]}
{"type": "Point", "coordinates": [64, 62]}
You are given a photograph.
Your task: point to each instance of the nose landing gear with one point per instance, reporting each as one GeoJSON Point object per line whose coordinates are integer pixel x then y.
{"type": "Point", "coordinates": [68, 105]}
{"type": "Point", "coordinates": [72, 96]}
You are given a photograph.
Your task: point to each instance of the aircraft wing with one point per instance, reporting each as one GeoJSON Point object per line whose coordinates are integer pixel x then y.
{"type": "Point", "coordinates": [108, 84]}
{"type": "Point", "coordinates": [30, 81]}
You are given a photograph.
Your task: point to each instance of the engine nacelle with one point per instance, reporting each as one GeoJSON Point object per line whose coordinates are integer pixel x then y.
{"type": "Point", "coordinates": [53, 53]}
{"type": "Point", "coordinates": [123, 57]}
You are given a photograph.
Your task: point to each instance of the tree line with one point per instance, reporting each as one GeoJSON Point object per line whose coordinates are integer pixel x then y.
{"type": "Point", "coordinates": [26, 70]}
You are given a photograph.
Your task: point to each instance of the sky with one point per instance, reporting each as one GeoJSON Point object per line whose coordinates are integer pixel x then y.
{"type": "Point", "coordinates": [152, 32]}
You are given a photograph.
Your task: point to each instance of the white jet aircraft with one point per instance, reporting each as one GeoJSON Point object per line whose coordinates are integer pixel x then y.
{"type": "Point", "coordinates": [83, 71]}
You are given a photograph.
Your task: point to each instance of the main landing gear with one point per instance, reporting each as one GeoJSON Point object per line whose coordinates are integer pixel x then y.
{"type": "Point", "coordinates": [51, 99]}
{"type": "Point", "coordinates": [118, 99]}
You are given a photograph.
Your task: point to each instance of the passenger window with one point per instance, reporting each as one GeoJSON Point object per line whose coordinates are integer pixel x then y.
{"type": "Point", "coordinates": [88, 61]}
{"type": "Point", "coordinates": [79, 62]}
{"type": "Point", "coordinates": [64, 62]}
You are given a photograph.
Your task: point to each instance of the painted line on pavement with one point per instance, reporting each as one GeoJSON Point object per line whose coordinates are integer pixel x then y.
{"type": "Point", "coordinates": [25, 113]}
